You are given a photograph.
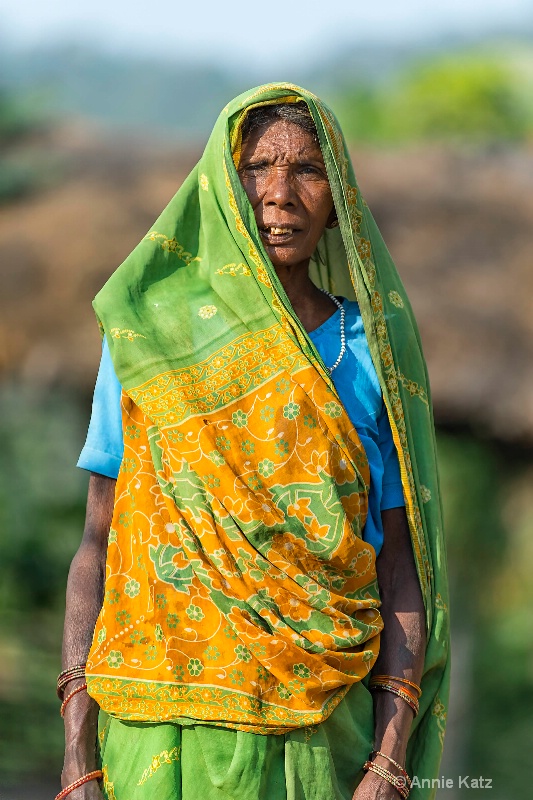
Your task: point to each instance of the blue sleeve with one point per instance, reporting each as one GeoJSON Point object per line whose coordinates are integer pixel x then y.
{"type": "Point", "coordinates": [104, 446]}
{"type": "Point", "coordinates": [392, 494]}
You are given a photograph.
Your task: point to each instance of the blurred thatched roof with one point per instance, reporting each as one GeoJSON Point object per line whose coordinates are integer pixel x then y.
{"type": "Point", "coordinates": [459, 226]}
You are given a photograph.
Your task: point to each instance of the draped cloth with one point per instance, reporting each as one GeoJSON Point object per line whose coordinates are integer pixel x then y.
{"type": "Point", "coordinates": [239, 591]}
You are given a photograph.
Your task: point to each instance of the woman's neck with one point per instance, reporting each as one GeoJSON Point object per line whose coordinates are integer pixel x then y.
{"type": "Point", "coordinates": [311, 306]}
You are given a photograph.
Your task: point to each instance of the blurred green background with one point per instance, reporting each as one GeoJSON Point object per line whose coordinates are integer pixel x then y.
{"type": "Point", "coordinates": [94, 141]}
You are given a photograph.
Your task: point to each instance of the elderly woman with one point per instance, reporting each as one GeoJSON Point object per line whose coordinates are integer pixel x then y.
{"type": "Point", "coordinates": [258, 609]}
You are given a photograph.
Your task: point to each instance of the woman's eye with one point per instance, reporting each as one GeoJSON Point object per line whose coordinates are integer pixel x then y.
{"type": "Point", "coordinates": [254, 169]}
{"type": "Point", "coordinates": [308, 169]}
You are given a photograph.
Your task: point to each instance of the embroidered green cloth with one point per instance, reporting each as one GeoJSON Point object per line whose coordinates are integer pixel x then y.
{"type": "Point", "coordinates": [216, 367]}
{"type": "Point", "coordinates": [198, 762]}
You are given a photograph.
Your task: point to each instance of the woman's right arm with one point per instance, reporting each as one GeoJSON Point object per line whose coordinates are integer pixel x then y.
{"type": "Point", "coordinates": [85, 594]}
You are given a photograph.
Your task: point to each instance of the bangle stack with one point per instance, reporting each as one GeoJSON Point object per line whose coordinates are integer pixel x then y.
{"type": "Point", "coordinates": [401, 782]}
{"type": "Point", "coordinates": [401, 687]}
{"type": "Point", "coordinates": [398, 781]}
{"type": "Point", "coordinates": [70, 674]}
{"type": "Point", "coordinates": [413, 685]}
{"type": "Point", "coordinates": [95, 775]}
{"type": "Point", "coordinates": [399, 767]}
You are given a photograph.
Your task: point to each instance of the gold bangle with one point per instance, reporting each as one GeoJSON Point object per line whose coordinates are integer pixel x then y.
{"type": "Point", "coordinates": [398, 781]}
{"type": "Point", "coordinates": [70, 674]}
{"type": "Point", "coordinates": [394, 763]}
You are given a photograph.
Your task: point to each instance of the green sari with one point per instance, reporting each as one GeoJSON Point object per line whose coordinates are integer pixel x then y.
{"type": "Point", "coordinates": [201, 334]}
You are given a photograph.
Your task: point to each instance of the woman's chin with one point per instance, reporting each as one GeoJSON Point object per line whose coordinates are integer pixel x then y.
{"type": "Point", "coordinates": [287, 257]}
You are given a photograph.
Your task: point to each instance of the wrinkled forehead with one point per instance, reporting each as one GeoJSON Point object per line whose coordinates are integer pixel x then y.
{"type": "Point", "coordinates": [280, 139]}
{"type": "Point", "coordinates": [293, 131]}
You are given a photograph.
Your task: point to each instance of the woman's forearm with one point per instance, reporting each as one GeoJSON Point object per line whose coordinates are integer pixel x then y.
{"type": "Point", "coordinates": [403, 639]}
{"type": "Point", "coordinates": [84, 599]}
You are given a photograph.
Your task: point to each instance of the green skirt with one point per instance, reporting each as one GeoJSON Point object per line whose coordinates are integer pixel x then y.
{"type": "Point", "coordinates": [169, 761]}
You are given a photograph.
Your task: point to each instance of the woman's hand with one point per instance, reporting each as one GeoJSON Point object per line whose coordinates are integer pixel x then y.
{"type": "Point", "coordinates": [372, 787]}
{"type": "Point", "coordinates": [81, 724]}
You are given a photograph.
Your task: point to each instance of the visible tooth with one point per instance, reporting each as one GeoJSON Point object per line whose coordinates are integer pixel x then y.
{"type": "Point", "coordinates": [279, 231]}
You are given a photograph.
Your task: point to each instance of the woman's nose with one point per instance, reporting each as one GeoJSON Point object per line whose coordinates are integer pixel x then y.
{"type": "Point", "coordinates": [279, 189]}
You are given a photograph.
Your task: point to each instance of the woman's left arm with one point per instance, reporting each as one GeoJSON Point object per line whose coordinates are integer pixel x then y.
{"type": "Point", "coordinates": [403, 643]}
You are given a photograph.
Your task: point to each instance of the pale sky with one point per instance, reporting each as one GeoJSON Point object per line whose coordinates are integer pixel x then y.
{"type": "Point", "coordinates": [264, 32]}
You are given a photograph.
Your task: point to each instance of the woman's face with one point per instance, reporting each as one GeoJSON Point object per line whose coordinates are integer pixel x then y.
{"type": "Point", "coordinates": [283, 173]}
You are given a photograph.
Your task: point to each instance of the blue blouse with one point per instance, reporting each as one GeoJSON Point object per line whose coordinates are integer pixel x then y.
{"type": "Point", "coordinates": [356, 382]}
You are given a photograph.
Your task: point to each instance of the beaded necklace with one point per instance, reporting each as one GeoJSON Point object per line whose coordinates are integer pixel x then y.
{"type": "Point", "coordinates": [343, 334]}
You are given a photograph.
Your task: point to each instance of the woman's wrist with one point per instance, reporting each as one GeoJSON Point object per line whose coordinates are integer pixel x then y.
{"type": "Point", "coordinates": [394, 719]}
{"type": "Point", "coordinates": [78, 761]}
{"type": "Point", "coordinates": [374, 786]}
{"type": "Point", "coordinates": [390, 774]}
{"type": "Point", "coordinates": [81, 730]}
{"type": "Point", "coordinates": [393, 746]}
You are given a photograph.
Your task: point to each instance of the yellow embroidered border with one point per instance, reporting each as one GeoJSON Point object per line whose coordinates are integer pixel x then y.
{"type": "Point", "coordinates": [230, 371]}
{"type": "Point", "coordinates": [108, 786]}
{"type": "Point", "coordinates": [399, 433]}
{"type": "Point", "coordinates": [363, 252]}
{"type": "Point", "coordinates": [145, 701]}
{"type": "Point", "coordinates": [262, 274]}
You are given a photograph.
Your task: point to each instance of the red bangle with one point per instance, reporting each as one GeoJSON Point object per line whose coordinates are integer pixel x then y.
{"type": "Point", "coordinates": [70, 696]}
{"type": "Point", "coordinates": [411, 701]}
{"type": "Point", "coordinates": [388, 678]}
{"type": "Point", "coordinates": [376, 682]}
{"type": "Point", "coordinates": [91, 776]}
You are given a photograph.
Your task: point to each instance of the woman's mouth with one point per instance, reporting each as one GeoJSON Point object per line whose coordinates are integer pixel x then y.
{"type": "Point", "coordinates": [276, 234]}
